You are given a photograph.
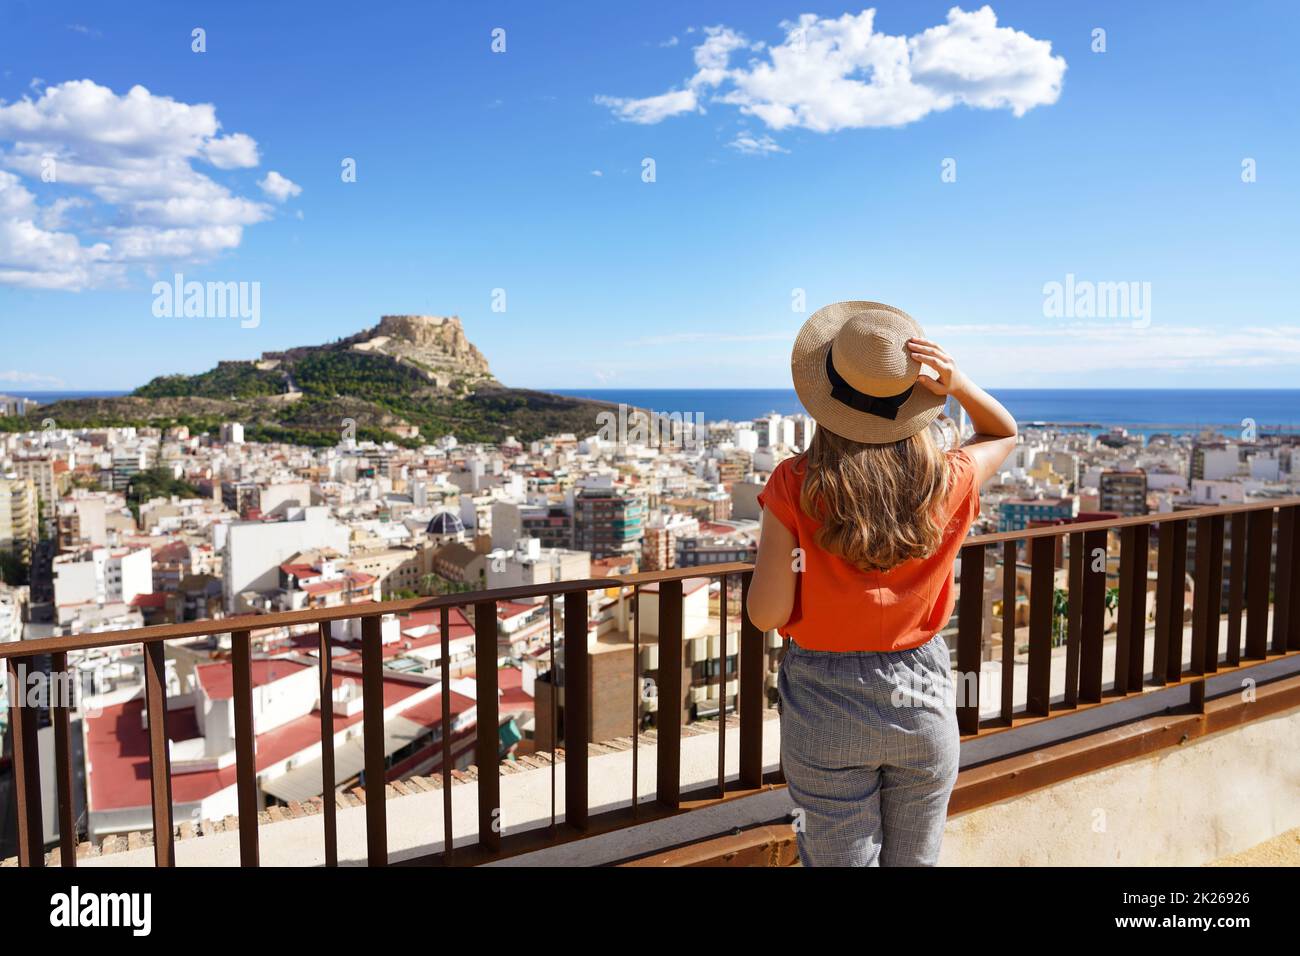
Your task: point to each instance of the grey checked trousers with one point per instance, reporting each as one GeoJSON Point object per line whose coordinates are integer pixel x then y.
{"type": "Point", "coordinates": [870, 747]}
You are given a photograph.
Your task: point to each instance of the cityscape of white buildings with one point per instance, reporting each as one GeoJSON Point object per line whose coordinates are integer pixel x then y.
{"type": "Point", "coordinates": [245, 527]}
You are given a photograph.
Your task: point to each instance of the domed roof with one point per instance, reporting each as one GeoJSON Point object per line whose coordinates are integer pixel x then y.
{"type": "Point", "coordinates": [445, 522]}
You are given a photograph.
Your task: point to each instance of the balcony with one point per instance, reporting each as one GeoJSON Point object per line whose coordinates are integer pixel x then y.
{"type": "Point", "coordinates": [1174, 723]}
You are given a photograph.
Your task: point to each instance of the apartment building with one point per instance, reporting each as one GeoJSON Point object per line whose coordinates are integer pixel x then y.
{"type": "Point", "coordinates": [1123, 492]}
{"type": "Point", "coordinates": [254, 550]}
{"type": "Point", "coordinates": [81, 522]}
{"type": "Point", "coordinates": [19, 521]}
{"type": "Point", "coordinates": [1214, 461]}
{"type": "Point", "coordinates": [396, 569]}
{"type": "Point", "coordinates": [103, 575]}
{"type": "Point", "coordinates": [608, 520]}
{"type": "Point", "coordinates": [529, 563]}
{"type": "Point", "coordinates": [1016, 514]}
{"type": "Point", "coordinates": [662, 532]}
{"type": "Point", "coordinates": [50, 476]}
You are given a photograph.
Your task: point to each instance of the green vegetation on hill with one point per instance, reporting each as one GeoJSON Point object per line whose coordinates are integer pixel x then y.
{"type": "Point", "coordinates": [227, 380]}
{"type": "Point", "coordinates": [330, 373]}
{"type": "Point", "coordinates": [370, 396]}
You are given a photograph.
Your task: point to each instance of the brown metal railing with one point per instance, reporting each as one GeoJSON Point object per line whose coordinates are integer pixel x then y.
{"type": "Point", "coordinates": [1252, 546]}
{"type": "Point", "coordinates": [1252, 569]}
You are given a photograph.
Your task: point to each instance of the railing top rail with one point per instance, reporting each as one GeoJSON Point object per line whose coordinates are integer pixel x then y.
{"type": "Point", "coordinates": [1188, 514]}
{"type": "Point", "coordinates": [262, 622]}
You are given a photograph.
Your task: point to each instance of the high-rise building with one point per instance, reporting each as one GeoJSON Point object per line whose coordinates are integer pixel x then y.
{"type": "Point", "coordinates": [127, 463]}
{"type": "Point", "coordinates": [48, 474]}
{"type": "Point", "coordinates": [607, 520]}
{"type": "Point", "coordinates": [659, 549]}
{"type": "Point", "coordinates": [1123, 492]}
{"type": "Point", "coordinates": [1214, 461]}
{"type": "Point", "coordinates": [19, 522]}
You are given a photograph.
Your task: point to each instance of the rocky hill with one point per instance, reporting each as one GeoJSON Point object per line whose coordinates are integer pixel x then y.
{"type": "Point", "coordinates": [409, 375]}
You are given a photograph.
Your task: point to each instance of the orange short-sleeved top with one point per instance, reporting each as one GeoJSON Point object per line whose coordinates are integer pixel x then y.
{"type": "Point", "coordinates": [838, 607]}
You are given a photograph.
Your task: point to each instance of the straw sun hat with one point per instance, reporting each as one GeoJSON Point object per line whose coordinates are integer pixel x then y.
{"type": "Point", "coordinates": [855, 375]}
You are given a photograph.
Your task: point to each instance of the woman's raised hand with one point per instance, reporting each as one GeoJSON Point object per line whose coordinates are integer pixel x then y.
{"type": "Point", "coordinates": [948, 378]}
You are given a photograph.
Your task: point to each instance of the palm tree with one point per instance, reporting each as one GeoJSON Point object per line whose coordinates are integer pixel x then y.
{"type": "Point", "coordinates": [1060, 615]}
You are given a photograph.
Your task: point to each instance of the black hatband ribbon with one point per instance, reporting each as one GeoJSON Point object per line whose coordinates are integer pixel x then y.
{"type": "Point", "coordinates": [846, 394]}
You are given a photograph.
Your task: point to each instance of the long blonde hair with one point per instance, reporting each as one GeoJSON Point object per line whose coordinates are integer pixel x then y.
{"type": "Point", "coordinates": [879, 505]}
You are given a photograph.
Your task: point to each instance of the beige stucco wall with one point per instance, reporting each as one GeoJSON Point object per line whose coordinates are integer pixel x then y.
{"type": "Point", "coordinates": [1182, 806]}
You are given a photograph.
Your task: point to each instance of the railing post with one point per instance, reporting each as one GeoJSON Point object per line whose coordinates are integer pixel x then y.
{"type": "Point", "coordinates": [245, 745]}
{"type": "Point", "coordinates": [1093, 616]}
{"type": "Point", "coordinates": [1215, 605]}
{"type": "Point", "coordinates": [1074, 590]}
{"type": "Point", "coordinates": [1207, 579]}
{"type": "Point", "coordinates": [26, 764]}
{"type": "Point", "coordinates": [1131, 626]}
{"type": "Point", "coordinates": [577, 709]}
{"type": "Point", "coordinates": [671, 695]}
{"type": "Point", "coordinates": [61, 691]}
{"type": "Point", "coordinates": [444, 667]}
{"type": "Point", "coordinates": [1259, 547]}
{"type": "Point", "coordinates": [970, 625]}
{"type": "Point", "coordinates": [487, 749]}
{"type": "Point", "coordinates": [160, 761]}
{"type": "Point", "coordinates": [1292, 583]}
{"type": "Point", "coordinates": [329, 800]}
{"type": "Point", "coordinates": [1008, 678]}
{"type": "Point", "coordinates": [753, 690]}
{"type": "Point", "coordinates": [1167, 661]}
{"type": "Point", "coordinates": [722, 685]}
{"type": "Point", "coordinates": [1285, 580]}
{"type": "Point", "coordinates": [1041, 592]}
{"type": "Point", "coordinates": [372, 719]}
{"type": "Point", "coordinates": [1236, 587]}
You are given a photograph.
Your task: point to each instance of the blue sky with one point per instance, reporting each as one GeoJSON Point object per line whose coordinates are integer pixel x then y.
{"type": "Point", "coordinates": [477, 171]}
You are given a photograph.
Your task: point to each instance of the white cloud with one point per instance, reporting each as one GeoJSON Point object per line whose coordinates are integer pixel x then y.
{"type": "Point", "coordinates": [132, 158]}
{"type": "Point", "coordinates": [752, 145]}
{"type": "Point", "coordinates": [33, 256]}
{"type": "Point", "coordinates": [833, 74]}
{"type": "Point", "coordinates": [28, 378]}
{"type": "Point", "coordinates": [598, 172]}
{"type": "Point", "coordinates": [1084, 348]}
{"type": "Point", "coordinates": [651, 109]}
{"type": "Point", "coordinates": [278, 187]}
{"type": "Point", "coordinates": [236, 151]}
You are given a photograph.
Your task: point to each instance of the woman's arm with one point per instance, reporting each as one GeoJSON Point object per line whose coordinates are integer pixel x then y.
{"type": "Point", "coordinates": [771, 593]}
{"type": "Point", "coordinates": [995, 429]}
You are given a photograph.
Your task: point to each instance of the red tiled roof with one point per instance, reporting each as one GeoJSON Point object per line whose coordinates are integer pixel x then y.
{"type": "Point", "coordinates": [510, 681]}
{"type": "Point", "coordinates": [117, 746]}
{"type": "Point", "coordinates": [353, 582]}
{"type": "Point", "coordinates": [509, 609]}
{"type": "Point", "coordinates": [171, 551]}
{"type": "Point", "coordinates": [218, 679]}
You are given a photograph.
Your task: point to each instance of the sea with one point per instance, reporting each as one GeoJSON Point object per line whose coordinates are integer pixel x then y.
{"type": "Point", "coordinates": [1140, 411]}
